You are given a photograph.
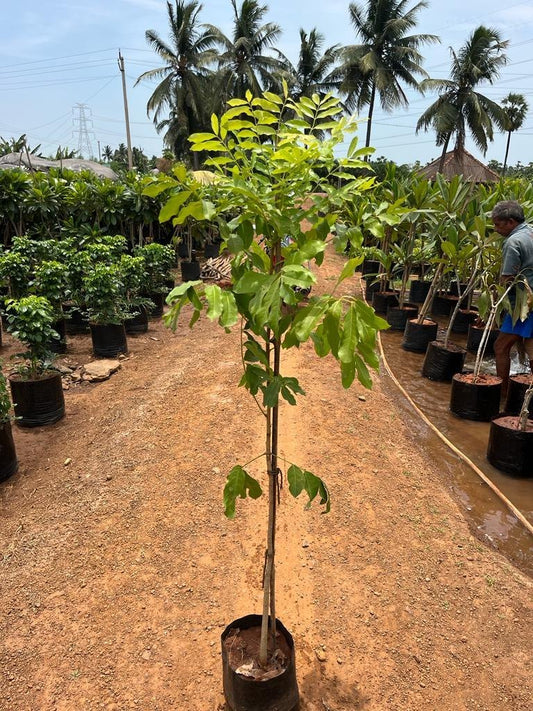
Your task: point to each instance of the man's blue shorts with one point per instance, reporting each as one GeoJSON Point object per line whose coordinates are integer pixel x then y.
{"type": "Point", "coordinates": [521, 328]}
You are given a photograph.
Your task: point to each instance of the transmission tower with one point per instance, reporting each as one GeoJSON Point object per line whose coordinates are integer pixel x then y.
{"type": "Point", "coordinates": [82, 124]}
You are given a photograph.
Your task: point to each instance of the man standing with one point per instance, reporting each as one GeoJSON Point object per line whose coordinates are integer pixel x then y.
{"type": "Point", "coordinates": [517, 260]}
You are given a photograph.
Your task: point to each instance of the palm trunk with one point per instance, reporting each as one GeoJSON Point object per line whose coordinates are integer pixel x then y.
{"type": "Point", "coordinates": [444, 151]}
{"type": "Point", "coordinates": [506, 153]}
{"type": "Point", "coordinates": [370, 114]}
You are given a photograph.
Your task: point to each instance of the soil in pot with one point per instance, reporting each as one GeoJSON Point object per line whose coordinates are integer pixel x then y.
{"type": "Point", "coordinates": [381, 300]}
{"type": "Point", "coordinates": [418, 291]}
{"type": "Point", "coordinates": [247, 687]}
{"type": "Point", "coordinates": [109, 340]}
{"type": "Point", "coordinates": [518, 384]}
{"type": "Point", "coordinates": [475, 399]}
{"type": "Point", "coordinates": [511, 449]}
{"type": "Point", "coordinates": [398, 316]}
{"type": "Point", "coordinates": [475, 333]}
{"type": "Point", "coordinates": [8, 454]}
{"type": "Point", "coordinates": [37, 402]}
{"type": "Point", "coordinates": [442, 363]}
{"type": "Point", "coordinates": [417, 335]}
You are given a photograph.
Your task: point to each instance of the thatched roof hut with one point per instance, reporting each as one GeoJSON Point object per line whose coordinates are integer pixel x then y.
{"type": "Point", "coordinates": [460, 162]}
{"type": "Point", "coordinates": [20, 160]}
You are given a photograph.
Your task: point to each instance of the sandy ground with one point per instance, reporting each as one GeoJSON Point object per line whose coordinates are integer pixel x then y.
{"type": "Point", "coordinates": [119, 571]}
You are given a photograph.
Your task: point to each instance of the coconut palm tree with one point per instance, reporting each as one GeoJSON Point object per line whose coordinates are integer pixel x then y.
{"type": "Point", "coordinates": [243, 64]}
{"type": "Point", "coordinates": [515, 108]}
{"type": "Point", "coordinates": [186, 58]}
{"type": "Point", "coordinates": [315, 72]}
{"type": "Point", "coordinates": [386, 58]}
{"type": "Point", "coordinates": [107, 153]}
{"type": "Point", "coordinates": [459, 106]}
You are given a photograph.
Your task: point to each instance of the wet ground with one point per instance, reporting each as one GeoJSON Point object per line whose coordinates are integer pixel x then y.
{"type": "Point", "coordinates": [491, 519]}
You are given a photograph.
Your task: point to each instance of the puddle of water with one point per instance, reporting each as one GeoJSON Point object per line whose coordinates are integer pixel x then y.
{"type": "Point", "coordinates": [487, 514]}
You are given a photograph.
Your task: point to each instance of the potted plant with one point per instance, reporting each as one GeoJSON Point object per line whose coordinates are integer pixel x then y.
{"type": "Point", "coordinates": [135, 277]}
{"type": "Point", "coordinates": [36, 388]}
{"type": "Point", "coordinates": [8, 454]}
{"type": "Point", "coordinates": [264, 183]}
{"type": "Point", "coordinates": [51, 281]}
{"type": "Point", "coordinates": [159, 259]}
{"type": "Point", "coordinates": [104, 295]}
{"type": "Point", "coordinates": [476, 395]}
{"type": "Point", "coordinates": [510, 446]}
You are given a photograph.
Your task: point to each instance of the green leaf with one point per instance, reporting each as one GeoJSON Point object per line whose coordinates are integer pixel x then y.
{"type": "Point", "coordinates": [173, 204]}
{"type": "Point", "coordinates": [214, 124]}
{"type": "Point", "coordinates": [239, 484]}
{"type": "Point", "coordinates": [349, 268]}
{"type": "Point", "coordinates": [214, 300]}
{"type": "Point", "coordinates": [230, 312]}
{"type": "Point", "coordinates": [301, 480]}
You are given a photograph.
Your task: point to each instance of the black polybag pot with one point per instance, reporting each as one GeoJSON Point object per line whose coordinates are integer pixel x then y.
{"type": "Point", "coordinates": [211, 250]}
{"type": "Point", "coordinates": [418, 290]}
{"type": "Point", "coordinates": [475, 401]}
{"type": "Point", "coordinates": [108, 339]}
{"type": "Point", "coordinates": [475, 334]}
{"type": "Point", "coordinates": [417, 335]}
{"type": "Point", "coordinates": [442, 363]}
{"type": "Point", "coordinates": [190, 271]}
{"type": "Point", "coordinates": [381, 300]}
{"type": "Point", "coordinates": [138, 323]}
{"type": "Point", "coordinates": [158, 300]}
{"type": "Point", "coordinates": [463, 319]}
{"type": "Point", "coordinates": [37, 402]}
{"type": "Point", "coordinates": [509, 449]}
{"type": "Point", "coordinates": [516, 390]}
{"type": "Point", "coordinates": [443, 305]}
{"type": "Point", "coordinates": [75, 322]}
{"type": "Point", "coordinates": [8, 454]}
{"type": "Point", "coordinates": [371, 287]}
{"type": "Point", "coordinates": [246, 694]}
{"type": "Point", "coordinates": [59, 345]}
{"type": "Point", "coordinates": [398, 316]}
{"type": "Point", "coordinates": [370, 266]}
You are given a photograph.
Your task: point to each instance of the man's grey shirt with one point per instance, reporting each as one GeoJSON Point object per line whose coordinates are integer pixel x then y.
{"type": "Point", "coordinates": [517, 253]}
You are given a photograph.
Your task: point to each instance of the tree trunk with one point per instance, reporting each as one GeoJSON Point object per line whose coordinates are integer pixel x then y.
{"type": "Point", "coordinates": [506, 153]}
{"type": "Point", "coordinates": [444, 151]}
{"type": "Point", "coordinates": [370, 114]}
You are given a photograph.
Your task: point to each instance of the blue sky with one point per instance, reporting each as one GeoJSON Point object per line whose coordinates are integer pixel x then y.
{"type": "Point", "coordinates": [56, 54]}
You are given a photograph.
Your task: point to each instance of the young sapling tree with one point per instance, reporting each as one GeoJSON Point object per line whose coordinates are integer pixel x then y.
{"type": "Point", "coordinates": [277, 176]}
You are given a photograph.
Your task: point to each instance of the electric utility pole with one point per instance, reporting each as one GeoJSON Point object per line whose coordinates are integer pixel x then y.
{"type": "Point", "coordinates": [126, 114]}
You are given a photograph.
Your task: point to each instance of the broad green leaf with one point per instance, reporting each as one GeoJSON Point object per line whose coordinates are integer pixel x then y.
{"type": "Point", "coordinates": [239, 484]}
{"type": "Point", "coordinates": [230, 313]}
{"type": "Point", "coordinates": [215, 124]}
{"type": "Point", "coordinates": [349, 268]}
{"type": "Point", "coordinates": [173, 205]}
{"type": "Point", "coordinates": [302, 480]}
{"type": "Point", "coordinates": [214, 300]}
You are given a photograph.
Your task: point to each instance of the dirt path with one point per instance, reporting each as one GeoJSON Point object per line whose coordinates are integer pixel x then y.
{"type": "Point", "coordinates": [119, 571]}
